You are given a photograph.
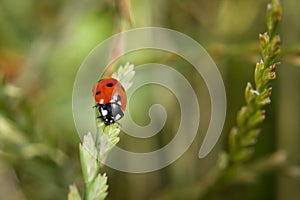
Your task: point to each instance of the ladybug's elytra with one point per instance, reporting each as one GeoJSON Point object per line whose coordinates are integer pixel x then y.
{"type": "Point", "coordinates": [110, 97]}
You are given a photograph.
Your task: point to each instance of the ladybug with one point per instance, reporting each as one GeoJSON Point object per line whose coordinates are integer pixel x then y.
{"type": "Point", "coordinates": [110, 98]}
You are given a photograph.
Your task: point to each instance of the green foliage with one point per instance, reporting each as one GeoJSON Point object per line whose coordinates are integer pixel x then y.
{"type": "Point", "coordinates": [97, 189]}
{"type": "Point", "coordinates": [245, 134]}
{"type": "Point", "coordinates": [94, 151]}
{"type": "Point", "coordinates": [125, 75]}
{"type": "Point", "coordinates": [89, 163]}
{"type": "Point", "coordinates": [73, 193]}
{"type": "Point", "coordinates": [16, 127]}
{"type": "Point", "coordinates": [42, 45]}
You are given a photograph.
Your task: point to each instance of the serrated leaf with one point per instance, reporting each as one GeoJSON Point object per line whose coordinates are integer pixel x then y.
{"type": "Point", "coordinates": [88, 158]}
{"type": "Point", "coordinates": [109, 137]}
{"type": "Point", "coordinates": [97, 190]}
{"type": "Point", "coordinates": [125, 75]}
{"type": "Point", "coordinates": [73, 193]}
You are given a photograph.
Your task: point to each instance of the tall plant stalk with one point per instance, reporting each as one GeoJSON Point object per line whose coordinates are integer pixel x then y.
{"type": "Point", "coordinates": [245, 133]}
{"type": "Point", "coordinates": [94, 150]}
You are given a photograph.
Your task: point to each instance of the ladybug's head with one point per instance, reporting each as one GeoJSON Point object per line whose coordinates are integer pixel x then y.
{"type": "Point", "coordinates": [107, 120]}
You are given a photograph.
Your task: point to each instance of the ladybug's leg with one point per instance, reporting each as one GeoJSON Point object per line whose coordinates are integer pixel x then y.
{"type": "Point", "coordinates": [96, 106]}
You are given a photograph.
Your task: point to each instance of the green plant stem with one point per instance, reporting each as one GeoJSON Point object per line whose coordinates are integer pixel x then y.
{"type": "Point", "coordinates": [94, 150]}
{"type": "Point", "coordinates": [244, 135]}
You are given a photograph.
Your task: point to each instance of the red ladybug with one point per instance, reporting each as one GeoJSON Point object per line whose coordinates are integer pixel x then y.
{"type": "Point", "coordinates": [110, 97]}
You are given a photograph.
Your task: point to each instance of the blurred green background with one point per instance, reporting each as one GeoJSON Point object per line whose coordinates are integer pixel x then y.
{"type": "Point", "coordinates": [42, 45]}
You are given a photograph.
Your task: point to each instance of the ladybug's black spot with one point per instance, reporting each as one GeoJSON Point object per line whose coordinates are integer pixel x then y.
{"type": "Point", "coordinates": [109, 84]}
{"type": "Point", "coordinates": [98, 92]}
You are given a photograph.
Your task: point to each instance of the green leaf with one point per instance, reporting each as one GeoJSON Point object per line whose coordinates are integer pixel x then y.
{"type": "Point", "coordinates": [243, 116]}
{"type": "Point", "coordinates": [73, 193]}
{"type": "Point", "coordinates": [9, 132]}
{"type": "Point", "coordinates": [250, 138]}
{"type": "Point", "coordinates": [93, 151]}
{"type": "Point", "coordinates": [243, 154]}
{"type": "Point", "coordinates": [257, 118]}
{"type": "Point", "coordinates": [269, 74]}
{"type": "Point", "coordinates": [97, 190]}
{"type": "Point", "coordinates": [264, 98]}
{"type": "Point", "coordinates": [223, 160]}
{"type": "Point", "coordinates": [258, 73]}
{"type": "Point", "coordinates": [108, 138]}
{"type": "Point", "coordinates": [264, 40]}
{"type": "Point", "coordinates": [250, 93]}
{"type": "Point", "coordinates": [125, 75]}
{"type": "Point", "coordinates": [88, 155]}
